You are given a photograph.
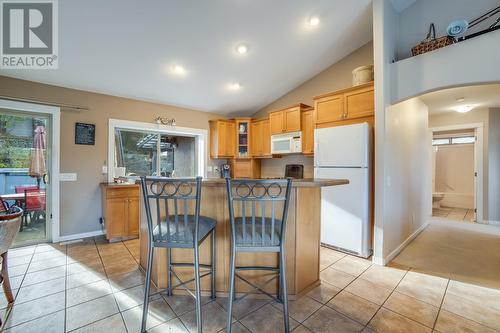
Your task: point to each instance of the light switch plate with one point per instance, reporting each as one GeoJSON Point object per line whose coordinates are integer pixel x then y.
{"type": "Point", "coordinates": [68, 177]}
{"type": "Point", "coordinates": [104, 169]}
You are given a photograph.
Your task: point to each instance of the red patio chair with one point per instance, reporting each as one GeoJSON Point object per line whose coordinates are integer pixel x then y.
{"type": "Point", "coordinates": [34, 204]}
{"type": "Point", "coordinates": [22, 188]}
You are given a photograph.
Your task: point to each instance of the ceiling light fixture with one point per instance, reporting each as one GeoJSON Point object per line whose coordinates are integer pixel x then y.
{"type": "Point", "coordinates": [235, 86]}
{"type": "Point", "coordinates": [313, 21]}
{"type": "Point", "coordinates": [242, 49]}
{"type": "Point", "coordinates": [463, 108]}
{"type": "Point", "coordinates": [178, 69]}
{"type": "Point", "coordinates": [460, 99]}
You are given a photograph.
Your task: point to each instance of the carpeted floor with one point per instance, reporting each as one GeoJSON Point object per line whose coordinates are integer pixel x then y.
{"type": "Point", "coordinates": [459, 251]}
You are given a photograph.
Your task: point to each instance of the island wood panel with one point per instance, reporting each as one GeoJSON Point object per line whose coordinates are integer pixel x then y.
{"type": "Point", "coordinates": [302, 244]}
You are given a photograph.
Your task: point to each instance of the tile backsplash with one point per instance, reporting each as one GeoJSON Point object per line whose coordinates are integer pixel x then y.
{"type": "Point", "coordinates": [275, 167]}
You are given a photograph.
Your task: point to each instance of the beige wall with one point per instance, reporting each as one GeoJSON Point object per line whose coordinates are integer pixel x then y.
{"type": "Point", "coordinates": [337, 76]}
{"type": "Point", "coordinates": [81, 200]}
{"type": "Point", "coordinates": [407, 193]}
{"type": "Point", "coordinates": [473, 117]}
{"type": "Point", "coordinates": [494, 166]}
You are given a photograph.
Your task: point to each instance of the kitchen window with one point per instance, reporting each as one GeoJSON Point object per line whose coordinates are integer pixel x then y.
{"type": "Point", "coordinates": [142, 149]}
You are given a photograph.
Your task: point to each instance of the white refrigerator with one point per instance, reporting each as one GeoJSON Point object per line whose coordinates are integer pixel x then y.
{"type": "Point", "coordinates": [344, 152]}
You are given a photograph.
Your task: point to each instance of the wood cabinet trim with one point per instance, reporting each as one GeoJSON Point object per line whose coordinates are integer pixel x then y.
{"type": "Point", "coordinates": [345, 90]}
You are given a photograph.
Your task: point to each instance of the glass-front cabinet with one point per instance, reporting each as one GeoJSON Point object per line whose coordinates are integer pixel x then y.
{"type": "Point", "coordinates": [243, 148]}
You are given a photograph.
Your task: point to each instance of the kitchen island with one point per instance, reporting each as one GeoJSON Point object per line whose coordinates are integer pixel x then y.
{"type": "Point", "coordinates": [302, 244]}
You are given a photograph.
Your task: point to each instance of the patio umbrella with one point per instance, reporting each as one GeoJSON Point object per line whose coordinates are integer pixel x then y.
{"type": "Point", "coordinates": [37, 160]}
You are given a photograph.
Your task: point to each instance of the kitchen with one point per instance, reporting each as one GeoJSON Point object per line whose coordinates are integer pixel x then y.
{"type": "Point", "coordinates": [256, 142]}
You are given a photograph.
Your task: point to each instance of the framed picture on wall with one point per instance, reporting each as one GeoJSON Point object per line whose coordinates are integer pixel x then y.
{"type": "Point", "coordinates": [84, 134]}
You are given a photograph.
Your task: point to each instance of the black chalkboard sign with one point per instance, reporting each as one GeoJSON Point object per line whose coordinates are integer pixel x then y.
{"type": "Point", "coordinates": [84, 134]}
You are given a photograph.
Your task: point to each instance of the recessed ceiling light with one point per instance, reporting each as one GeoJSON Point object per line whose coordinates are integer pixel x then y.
{"type": "Point", "coordinates": [313, 21]}
{"type": "Point", "coordinates": [463, 108]}
{"type": "Point", "coordinates": [242, 48]}
{"type": "Point", "coordinates": [178, 69]}
{"type": "Point", "coordinates": [234, 86]}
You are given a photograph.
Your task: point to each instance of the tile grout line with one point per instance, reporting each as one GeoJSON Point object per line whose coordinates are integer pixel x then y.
{"type": "Point", "coordinates": [381, 306]}
{"type": "Point", "coordinates": [65, 288]}
{"type": "Point", "coordinates": [36, 318]}
{"type": "Point", "coordinates": [341, 289]}
{"type": "Point", "coordinates": [10, 308]}
{"type": "Point", "coordinates": [112, 293]}
{"type": "Point", "coordinates": [441, 305]}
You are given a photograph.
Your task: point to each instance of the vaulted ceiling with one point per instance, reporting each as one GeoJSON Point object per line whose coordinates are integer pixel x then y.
{"type": "Point", "coordinates": [130, 48]}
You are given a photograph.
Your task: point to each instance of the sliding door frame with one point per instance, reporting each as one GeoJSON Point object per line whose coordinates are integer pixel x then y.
{"type": "Point", "coordinates": [55, 115]}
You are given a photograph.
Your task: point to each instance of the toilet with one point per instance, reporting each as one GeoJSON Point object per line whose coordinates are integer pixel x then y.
{"type": "Point", "coordinates": [437, 197]}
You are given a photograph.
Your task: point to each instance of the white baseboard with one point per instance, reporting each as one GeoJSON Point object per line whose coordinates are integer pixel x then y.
{"type": "Point", "coordinates": [79, 236]}
{"type": "Point", "coordinates": [492, 222]}
{"type": "Point", "coordinates": [384, 261]}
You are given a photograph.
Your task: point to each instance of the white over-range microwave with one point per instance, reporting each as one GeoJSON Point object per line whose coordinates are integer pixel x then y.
{"type": "Point", "coordinates": [286, 143]}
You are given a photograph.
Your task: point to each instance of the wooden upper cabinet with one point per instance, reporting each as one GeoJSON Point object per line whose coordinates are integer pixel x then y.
{"type": "Point", "coordinates": [360, 103]}
{"type": "Point", "coordinates": [261, 138]}
{"type": "Point", "coordinates": [222, 138]}
{"type": "Point", "coordinates": [292, 120]}
{"type": "Point", "coordinates": [307, 132]}
{"type": "Point", "coordinates": [287, 120]}
{"type": "Point", "coordinates": [329, 109]}
{"type": "Point", "coordinates": [277, 122]}
{"type": "Point", "coordinates": [230, 139]}
{"type": "Point", "coordinates": [256, 138]}
{"type": "Point", "coordinates": [266, 138]}
{"type": "Point", "coordinates": [348, 104]}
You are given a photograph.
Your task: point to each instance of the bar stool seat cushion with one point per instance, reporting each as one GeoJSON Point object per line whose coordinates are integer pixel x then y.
{"type": "Point", "coordinates": [249, 240]}
{"type": "Point", "coordinates": [183, 235]}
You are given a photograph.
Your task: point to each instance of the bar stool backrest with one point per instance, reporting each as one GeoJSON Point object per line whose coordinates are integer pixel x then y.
{"type": "Point", "coordinates": [258, 210]}
{"type": "Point", "coordinates": [172, 207]}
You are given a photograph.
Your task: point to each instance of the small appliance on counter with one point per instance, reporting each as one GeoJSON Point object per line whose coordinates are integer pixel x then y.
{"type": "Point", "coordinates": [225, 171]}
{"type": "Point", "coordinates": [295, 171]}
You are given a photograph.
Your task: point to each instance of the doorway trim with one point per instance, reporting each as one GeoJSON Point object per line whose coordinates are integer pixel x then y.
{"type": "Point", "coordinates": [55, 113]}
{"type": "Point", "coordinates": [478, 162]}
{"type": "Point", "coordinates": [200, 135]}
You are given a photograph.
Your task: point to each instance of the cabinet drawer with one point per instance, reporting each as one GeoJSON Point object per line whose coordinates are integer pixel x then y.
{"type": "Point", "coordinates": [122, 192]}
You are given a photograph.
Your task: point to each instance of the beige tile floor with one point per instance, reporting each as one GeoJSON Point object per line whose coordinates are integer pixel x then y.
{"type": "Point", "coordinates": [97, 287]}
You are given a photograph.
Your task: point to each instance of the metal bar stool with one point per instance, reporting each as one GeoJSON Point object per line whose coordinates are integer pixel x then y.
{"type": "Point", "coordinates": [169, 204]}
{"type": "Point", "coordinates": [261, 230]}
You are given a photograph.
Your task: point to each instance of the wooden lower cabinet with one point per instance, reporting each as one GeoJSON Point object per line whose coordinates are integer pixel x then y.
{"type": "Point", "coordinates": [120, 207]}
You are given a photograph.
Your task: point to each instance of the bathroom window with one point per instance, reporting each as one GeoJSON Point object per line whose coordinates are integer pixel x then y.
{"type": "Point", "coordinates": [463, 139]}
{"type": "Point", "coordinates": [453, 141]}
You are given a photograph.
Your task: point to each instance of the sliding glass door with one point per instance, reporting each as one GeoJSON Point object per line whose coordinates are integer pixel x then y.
{"type": "Point", "coordinates": [25, 166]}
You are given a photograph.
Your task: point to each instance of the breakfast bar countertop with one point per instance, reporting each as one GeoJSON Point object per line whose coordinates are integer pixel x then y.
{"type": "Point", "coordinates": [305, 182]}
{"type": "Point", "coordinates": [302, 241]}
